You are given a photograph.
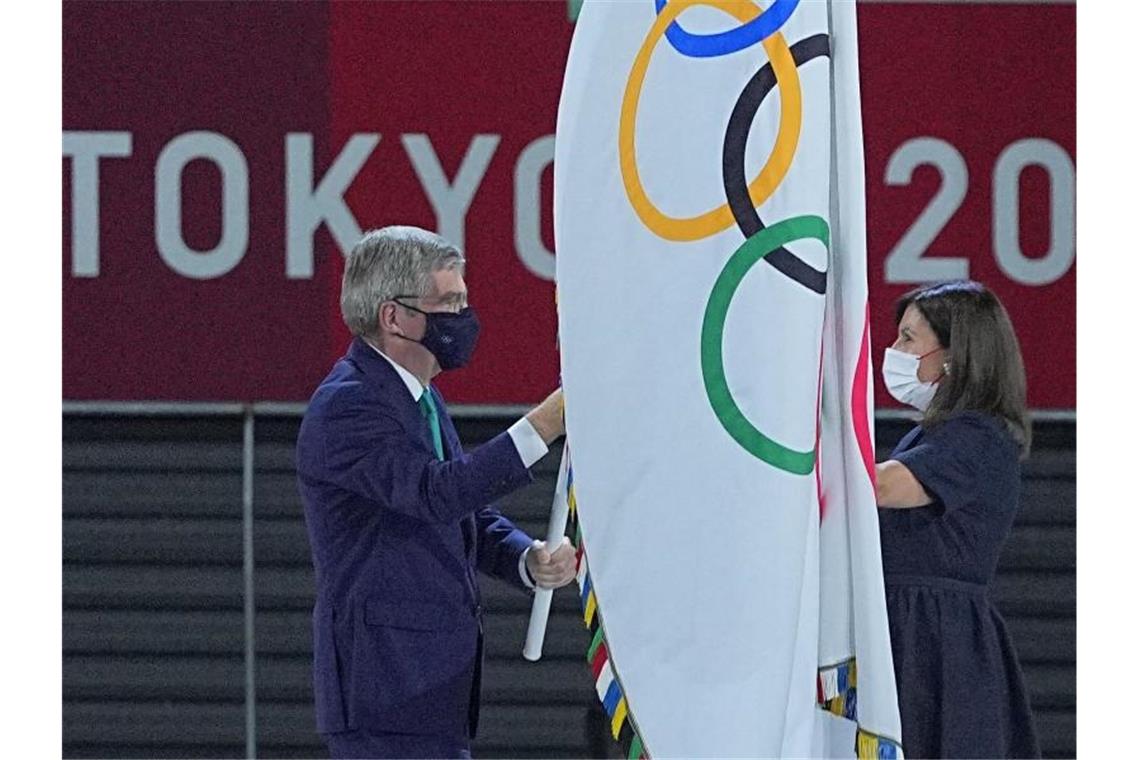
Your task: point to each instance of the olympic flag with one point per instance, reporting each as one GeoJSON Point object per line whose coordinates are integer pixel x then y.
{"type": "Point", "coordinates": [709, 225]}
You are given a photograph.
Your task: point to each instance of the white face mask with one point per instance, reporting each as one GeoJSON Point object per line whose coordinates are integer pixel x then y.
{"type": "Point", "coordinates": [900, 374]}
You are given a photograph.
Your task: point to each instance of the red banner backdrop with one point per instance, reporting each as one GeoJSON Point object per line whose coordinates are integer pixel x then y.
{"type": "Point", "coordinates": [218, 157]}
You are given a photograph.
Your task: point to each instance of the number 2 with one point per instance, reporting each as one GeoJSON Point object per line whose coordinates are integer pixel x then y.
{"type": "Point", "coordinates": [905, 262]}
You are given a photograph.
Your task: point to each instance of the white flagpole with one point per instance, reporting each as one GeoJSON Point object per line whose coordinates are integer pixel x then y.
{"type": "Point", "coordinates": [556, 529]}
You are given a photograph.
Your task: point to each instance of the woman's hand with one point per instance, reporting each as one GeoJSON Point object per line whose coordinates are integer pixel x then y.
{"type": "Point", "coordinates": [896, 487]}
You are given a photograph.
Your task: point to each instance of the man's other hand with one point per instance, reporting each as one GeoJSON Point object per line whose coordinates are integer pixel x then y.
{"type": "Point", "coordinates": [552, 570]}
{"type": "Point", "coordinates": [547, 418]}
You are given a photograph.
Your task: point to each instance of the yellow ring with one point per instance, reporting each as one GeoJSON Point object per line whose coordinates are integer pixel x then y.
{"type": "Point", "coordinates": [769, 178]}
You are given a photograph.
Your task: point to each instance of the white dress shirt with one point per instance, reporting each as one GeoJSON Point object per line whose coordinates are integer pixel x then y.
{"type": "Point", "coordinates": [528, 443]}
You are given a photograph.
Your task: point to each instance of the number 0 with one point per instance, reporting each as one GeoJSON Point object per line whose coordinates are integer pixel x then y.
{"type": "Point", "coordinates": [1007, 217]}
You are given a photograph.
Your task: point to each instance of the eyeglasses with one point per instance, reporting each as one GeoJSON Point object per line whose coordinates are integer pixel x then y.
{"type": "Point", "coordinates": [452, 303]}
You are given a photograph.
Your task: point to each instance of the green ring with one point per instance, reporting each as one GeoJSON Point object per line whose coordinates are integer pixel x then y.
{"type": "Point", "coordinates": [712, 338]}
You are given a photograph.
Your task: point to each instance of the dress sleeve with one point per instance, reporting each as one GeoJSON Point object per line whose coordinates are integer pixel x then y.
{"type": "Point", "coordinates": [951, 459]}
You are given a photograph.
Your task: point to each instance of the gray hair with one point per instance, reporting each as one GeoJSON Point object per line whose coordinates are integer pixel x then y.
{"type": "Point", "coordinates": [390, 262]}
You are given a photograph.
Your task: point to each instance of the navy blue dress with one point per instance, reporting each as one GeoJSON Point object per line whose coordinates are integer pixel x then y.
{"type": "Point", "coordinates": [961, 691]}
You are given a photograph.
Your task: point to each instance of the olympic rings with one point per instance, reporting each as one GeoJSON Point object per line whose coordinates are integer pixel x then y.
{"type": "Point", "coordinates": [735, 140]}
{"type": "Point", "coordinates": [743, 199]}
{"type": "Point", "coordinates": [773, 171]}
{"type": "Point", "coordinates": [712, 337]}
{"type": "Point", "coordinates": [723, 43]}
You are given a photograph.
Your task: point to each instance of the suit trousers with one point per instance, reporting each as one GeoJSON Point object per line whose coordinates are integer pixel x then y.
{"type": "Point", "coordinates": [380, 744]}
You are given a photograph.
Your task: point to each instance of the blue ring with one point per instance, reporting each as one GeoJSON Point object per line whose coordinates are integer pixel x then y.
{"type": "Point", "coordinates": [722, 43]}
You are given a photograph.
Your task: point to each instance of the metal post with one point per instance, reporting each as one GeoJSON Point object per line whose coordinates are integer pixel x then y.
{"type": "Point", "coordinates": [247, 570]}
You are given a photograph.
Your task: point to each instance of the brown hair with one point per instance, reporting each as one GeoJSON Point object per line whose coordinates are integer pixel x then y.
{"type": "Point", "coordinates": [986, 373]}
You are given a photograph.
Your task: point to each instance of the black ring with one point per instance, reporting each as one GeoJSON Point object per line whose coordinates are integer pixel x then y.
{"type": "Point", "coordinates": [735, 181]}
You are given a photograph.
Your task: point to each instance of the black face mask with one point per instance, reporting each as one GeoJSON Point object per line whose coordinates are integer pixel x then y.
{"type": "Point", "coordinates": [450, 336]}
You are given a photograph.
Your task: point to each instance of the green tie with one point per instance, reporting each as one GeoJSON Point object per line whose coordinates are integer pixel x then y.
{"type": "Point", "coordinates": [427, 407]}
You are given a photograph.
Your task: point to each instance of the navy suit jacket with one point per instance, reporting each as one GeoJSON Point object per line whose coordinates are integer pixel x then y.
{"type": "Point", "coordinates": [396, 536]}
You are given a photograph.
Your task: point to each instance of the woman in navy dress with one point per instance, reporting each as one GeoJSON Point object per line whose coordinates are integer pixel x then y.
{"type": "Point", "coordinates": [947, 499]}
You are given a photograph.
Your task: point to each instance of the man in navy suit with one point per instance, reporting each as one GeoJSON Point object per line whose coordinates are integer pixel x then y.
{"type": "Point", "coordinates": [400, 517]}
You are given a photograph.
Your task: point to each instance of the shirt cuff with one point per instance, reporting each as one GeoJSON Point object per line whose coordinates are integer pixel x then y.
{"type": "Point", "coordinates": [522, 569]}
{"type": "Point", "coordinates": [528, 442]}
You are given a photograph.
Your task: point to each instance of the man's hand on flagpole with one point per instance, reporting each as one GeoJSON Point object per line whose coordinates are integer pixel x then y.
{"type": "Point", "coordinates": [547, 418]}
{"type": "Point", "coordinates": [551, 570]}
